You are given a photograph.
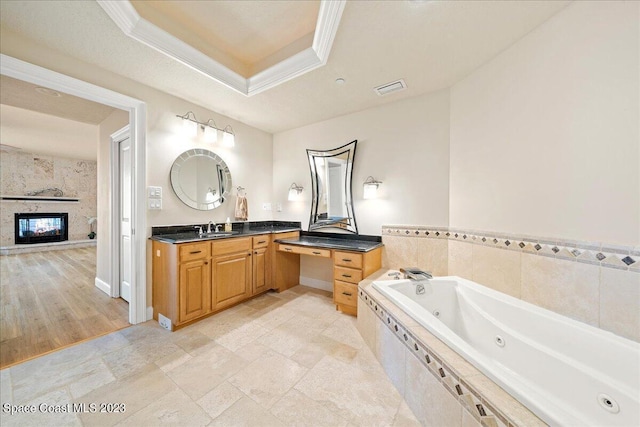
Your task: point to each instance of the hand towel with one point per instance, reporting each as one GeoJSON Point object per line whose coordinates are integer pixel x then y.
{"type": "Point", "coordinates": [242, 208]}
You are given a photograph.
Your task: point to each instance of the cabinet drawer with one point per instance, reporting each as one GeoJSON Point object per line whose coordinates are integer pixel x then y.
{"type": "Point", "coordinates": [229, 246]}
{"type": "Point", "coordinates": [261, 241]}
{"type": "Point", "coordinates": [345, 293]}
{"type": "Point", "coordinates": [193, 251]}
{"type": "Point", "coordinates": [348, 259]}
{"type": "Point", "coordinates": [325, 253]}
{"type": "Point", "coordinates": [347, 274]}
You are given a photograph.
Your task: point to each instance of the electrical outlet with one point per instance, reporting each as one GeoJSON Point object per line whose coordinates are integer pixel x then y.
{"type": "Point", "coordinates": [266, 206]}
{"type": "Point", "coordinates": [164, 322]}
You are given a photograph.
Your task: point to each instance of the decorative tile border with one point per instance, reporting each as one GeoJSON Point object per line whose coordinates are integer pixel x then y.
{"type": "Point", "coordinates": [604, 255]}
{"type": "Point", "coordinates": [470, 398]}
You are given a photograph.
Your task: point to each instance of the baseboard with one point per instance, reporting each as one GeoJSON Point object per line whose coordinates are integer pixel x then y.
{"type": "Point", "coordinates": [103, 286]}
{"type": "Point", "coordinates": [315, 283]}
{"type": "Point", "coordinates": [149, 312]}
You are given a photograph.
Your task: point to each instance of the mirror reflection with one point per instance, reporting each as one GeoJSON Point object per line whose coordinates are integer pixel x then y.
{"type": "Point", "coordinates": [332, 204]}
{"type": "Point", "coordinates": [200, 179]}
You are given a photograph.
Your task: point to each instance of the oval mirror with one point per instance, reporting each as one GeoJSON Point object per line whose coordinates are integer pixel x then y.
{"type": "Point", "coordinates": [200, 179]}
{"type": "Point", "coordinates": [331, 203]}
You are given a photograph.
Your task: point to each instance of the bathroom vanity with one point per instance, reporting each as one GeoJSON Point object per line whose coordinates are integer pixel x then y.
{"type": "Point", "coordinates": [195, 276]}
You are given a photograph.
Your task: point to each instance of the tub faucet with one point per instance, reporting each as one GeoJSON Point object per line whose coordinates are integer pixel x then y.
{"type": "Point", "coordinates": [417, 276]}
{"type": "Point", "coordinates": [414, 273]}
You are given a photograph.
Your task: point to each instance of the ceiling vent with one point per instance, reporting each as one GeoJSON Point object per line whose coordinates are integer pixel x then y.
{"type": "Point", "coordinates": [388, 88]}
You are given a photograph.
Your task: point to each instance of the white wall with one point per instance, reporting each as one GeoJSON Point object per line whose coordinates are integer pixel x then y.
{"type": "Point", "coordinates": [544, 138]}
{"type": "Point", "coordinates": [404, 144]}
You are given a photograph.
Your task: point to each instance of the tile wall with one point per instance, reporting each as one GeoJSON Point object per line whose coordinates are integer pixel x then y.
{"type": "Point", "coordinates": [25, 172]}
{"type": "Point", "coordinates": [595, 283]}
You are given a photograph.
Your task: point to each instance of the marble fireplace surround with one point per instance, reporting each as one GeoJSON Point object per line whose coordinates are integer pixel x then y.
{"type": "Point", "coordinates": [24, 172]}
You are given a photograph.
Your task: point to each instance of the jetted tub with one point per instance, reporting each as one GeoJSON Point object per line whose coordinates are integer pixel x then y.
{"type": "Point", "coordinates": [566, 372]}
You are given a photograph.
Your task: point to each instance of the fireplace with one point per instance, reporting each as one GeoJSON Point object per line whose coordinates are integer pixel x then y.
{"type": "Point", "coordinates": [41, 227]}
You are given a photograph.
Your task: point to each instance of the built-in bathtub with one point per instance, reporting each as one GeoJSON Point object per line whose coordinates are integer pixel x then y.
{"type": "Point", "coordinates": [566, 372]}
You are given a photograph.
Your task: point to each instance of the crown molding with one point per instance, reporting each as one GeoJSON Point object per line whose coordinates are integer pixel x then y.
{"type": "Point", "coordinates": [124, 15]}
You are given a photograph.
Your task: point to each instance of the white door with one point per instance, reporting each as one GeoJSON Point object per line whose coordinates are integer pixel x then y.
{"type": "Point", "coordinates": [125, 218]}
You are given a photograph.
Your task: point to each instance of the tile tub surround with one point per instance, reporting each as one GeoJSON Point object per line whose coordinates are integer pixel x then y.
{"type": "Point", "coordinates": [278, 360]}
{"type": "Point", "coordinates": [595, 283]}
{"type": "Point", "coordinates": [24, 172]}
{"type": "Point", "coordinates": [440, 387]}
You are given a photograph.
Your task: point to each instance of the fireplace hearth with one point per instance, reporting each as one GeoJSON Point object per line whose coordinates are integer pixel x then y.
{"type": "Point", "coordinates": [41, 227]}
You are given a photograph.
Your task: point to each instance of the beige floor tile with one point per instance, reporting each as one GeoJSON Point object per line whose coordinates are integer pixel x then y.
{"type": "Point", "coordinates": [357, 396]}
{"type": "Point", "coordinates": [220, 398]}
{"type": "Point", "coordinates": [174, 408]}
{"type": "Point", "coordinates": [48, 373]}
{"type": "Point", "coordinates": [321, 346]}
{"type": "Point", "coordinates": [246, 412]}
{"type": "Point", "coordinates": [53, 399]}
{"type": "Point", "coordinates": [6, 393]}
{"type": "Point", "coordinates": [268, 378]}
{"type": "Point", "coordinates": [205, 371]}
{"type": "Point", "coordinates": [128, 360]}
{"type": "Point", "coordinates": [173, 360]}
{"type": "Point", "coordinates": [292, 335]}
{"type": "Point", "coordinates": [241, 336]}
{"type": "Point", "coordinates": [296, 409]}
{"type": "Point", "coordinates": [344, 330]}
{"type": "Point", "coordinates": [136, 392]}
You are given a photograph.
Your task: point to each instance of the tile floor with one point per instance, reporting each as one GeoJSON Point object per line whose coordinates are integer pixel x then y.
{"type": "Point", "coordinates": [277, 360]}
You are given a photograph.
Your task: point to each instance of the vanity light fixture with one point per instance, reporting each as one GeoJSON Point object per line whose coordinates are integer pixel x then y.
{"type": "Point", "coordinates": [295, 192]}
{"type": "Point", "coordinates": [210, 132]}
{"type": "Point", "coordinates": [190, 126]}
{"type": "Point", "coordinates": [228, 137]}
{"type": "Point", "coordinates": [371, 188]}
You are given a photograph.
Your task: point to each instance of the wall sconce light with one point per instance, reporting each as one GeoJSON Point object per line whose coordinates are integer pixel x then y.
{"type": "Point", "coordinates": [295, 193]}
{"type": "Point", "coordinates": [228, 137]}
{"type": "Point", "coordinates": [190, 127]}
{"type": "Point", "coordinates": [371, 188]}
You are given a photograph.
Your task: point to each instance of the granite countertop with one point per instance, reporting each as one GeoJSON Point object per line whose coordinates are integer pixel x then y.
{"type": "Point", "coordinates": [186, 234]}
{"type": "Point", "coordinates": [332, 243]}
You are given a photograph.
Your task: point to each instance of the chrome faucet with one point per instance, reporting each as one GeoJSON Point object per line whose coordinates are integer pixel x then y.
{"type": "Point", "coordinates": [418, 276]}
{"type": "Point", "coordinates": [209, 226]}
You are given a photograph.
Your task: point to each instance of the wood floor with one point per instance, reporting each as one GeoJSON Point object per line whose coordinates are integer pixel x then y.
{"type": "Point", "coordinates": [48, 300]}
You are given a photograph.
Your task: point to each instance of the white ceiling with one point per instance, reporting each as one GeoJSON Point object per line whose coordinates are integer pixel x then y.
{"type": "Point", "coordinates": [21, 94]}
{"type": "Point", "coordinates": [430, 44]}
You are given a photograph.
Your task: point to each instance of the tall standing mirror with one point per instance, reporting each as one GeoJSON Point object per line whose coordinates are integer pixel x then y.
{"type": "Point", "coordinates": [200, 179]}
{"type": "Point", "coordinates": [332, 204]}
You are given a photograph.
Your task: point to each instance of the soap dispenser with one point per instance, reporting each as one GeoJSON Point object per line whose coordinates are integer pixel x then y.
{"type": "Point", "coordinates": [227, 225]}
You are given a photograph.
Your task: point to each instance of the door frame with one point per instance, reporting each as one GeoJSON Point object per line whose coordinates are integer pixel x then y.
{"type": "Point", "coordinates": [114, 207]}
{"type": "Point", "coordinates": [35, 74]}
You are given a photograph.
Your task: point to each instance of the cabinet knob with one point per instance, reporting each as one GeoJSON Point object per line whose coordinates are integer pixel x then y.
{"type": "Point", "coordinates": [206, 263]}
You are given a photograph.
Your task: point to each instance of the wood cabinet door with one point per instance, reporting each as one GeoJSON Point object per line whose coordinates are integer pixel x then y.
{"type": "Point", "coordinates": [231, 279]}
{"type": "Point", "coordinates": [194, 299]}
{"type": "Point", "coordinates": [261, 270]}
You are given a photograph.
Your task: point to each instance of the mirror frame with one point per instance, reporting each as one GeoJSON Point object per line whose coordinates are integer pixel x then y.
{"type": "Point", "coordinates": [314, 223]}
{"type": "Point", "coordinates": [224, 176]}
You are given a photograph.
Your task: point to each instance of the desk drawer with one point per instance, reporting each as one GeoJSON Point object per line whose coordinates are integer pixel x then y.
{"type": "Point", "coordinates": [348, 259]}
{"type": "Point", "coordinates": [302, 250]}
{"type": "Point", "coordinates": [345, 293]}
{"type": "Point", "coordinates": [347, 274]}
{"type": "Point", "coordinates": [193, 251]}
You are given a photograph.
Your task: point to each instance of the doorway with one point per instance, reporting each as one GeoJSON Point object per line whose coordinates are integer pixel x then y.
{"type": "Point", "coordinates": [18, 69]}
